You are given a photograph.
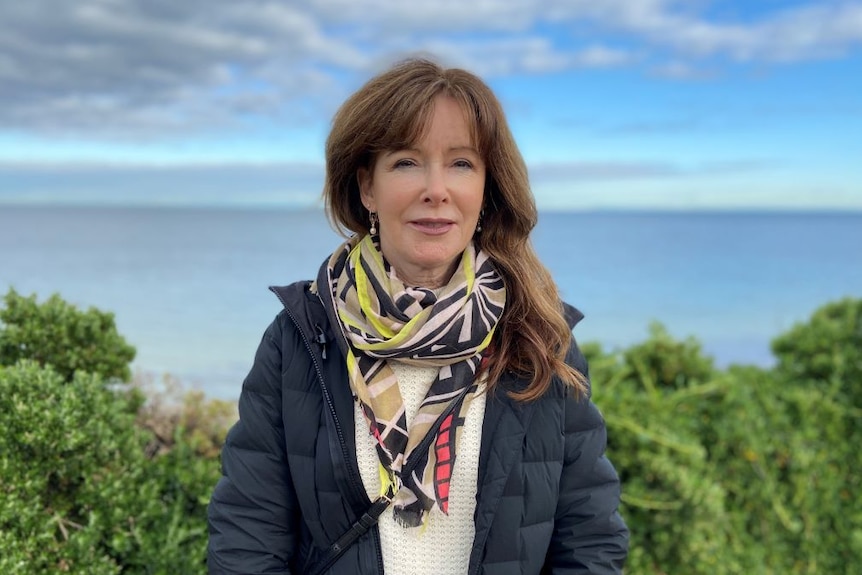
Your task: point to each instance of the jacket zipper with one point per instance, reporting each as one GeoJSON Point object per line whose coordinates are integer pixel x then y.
{"type": "Point", "coordinates": [321, 340]}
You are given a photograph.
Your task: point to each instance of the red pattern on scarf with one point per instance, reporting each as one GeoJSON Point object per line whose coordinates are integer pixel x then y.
{"type": "Point", "coordinates": [444, 448]}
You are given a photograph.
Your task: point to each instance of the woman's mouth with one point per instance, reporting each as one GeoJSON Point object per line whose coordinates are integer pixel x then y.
{"type": "Point", "coordinates": [432, 226]}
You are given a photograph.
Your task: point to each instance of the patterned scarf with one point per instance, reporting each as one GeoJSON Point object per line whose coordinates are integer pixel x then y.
{"type": "Point", "coordinates": [384, 319]}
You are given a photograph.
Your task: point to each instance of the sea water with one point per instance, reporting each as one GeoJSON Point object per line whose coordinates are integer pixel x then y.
{"type": "Point", "coordinates": [188, 286]}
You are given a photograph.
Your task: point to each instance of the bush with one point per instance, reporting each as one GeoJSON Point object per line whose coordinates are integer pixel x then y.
{"type": "Point", "coordinates": [79, 493]}
{"type": "Point", "coordinates": [56, 333]}
{"type": "Point", "coordinates": [745, 470]}
{"type": "Point", "coordinates": [81, 488]}
{"type": "Point", "coordinates": [826, 351]}
{"type": "Point", "coordinates": [673, 501]}
{"type": "Point", "coordinates": [70, 464]}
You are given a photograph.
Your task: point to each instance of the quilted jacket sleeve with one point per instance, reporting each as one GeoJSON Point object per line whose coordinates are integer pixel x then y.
{"type": "Point", "coordinates": [253, 510]}
{"type": "Point", "coordinates": [589, 534]}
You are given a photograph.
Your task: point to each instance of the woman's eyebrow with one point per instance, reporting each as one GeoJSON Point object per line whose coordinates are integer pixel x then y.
{"type": "Point", "coordinates": [414, 150]}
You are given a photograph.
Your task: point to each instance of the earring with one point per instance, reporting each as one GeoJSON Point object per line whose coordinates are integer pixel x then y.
{"type": "Point", "coordinates": [373, 217]}
{"type": "Point", "coordinates": [479, 221]}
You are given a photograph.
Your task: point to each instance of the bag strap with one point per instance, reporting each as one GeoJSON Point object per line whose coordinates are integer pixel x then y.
{"type": "Point", "coordinates": [370, 517]}
{"type": "Point", "coordinates": [357, 530]}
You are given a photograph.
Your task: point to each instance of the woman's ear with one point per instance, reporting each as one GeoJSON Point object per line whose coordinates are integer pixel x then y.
{"type": "Point", "coordinates": [363, 178]}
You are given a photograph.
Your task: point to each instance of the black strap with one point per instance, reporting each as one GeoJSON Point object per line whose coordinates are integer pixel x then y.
{"type": "Point", "coordinates": [357, 530]}
{"type": "Point", "coordinates": [370, 517]}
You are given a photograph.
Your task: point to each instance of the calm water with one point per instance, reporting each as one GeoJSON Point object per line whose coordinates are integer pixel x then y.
{"type": "Point", "coordinates": [188, 286]}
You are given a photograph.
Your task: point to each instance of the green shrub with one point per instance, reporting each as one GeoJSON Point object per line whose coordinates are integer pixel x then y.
{"type": "Point", "coordinates": [70, 461]}
{"type": "Point", "coordinates": [826, 351]}
{"type": "Point", "coordinates": [745, 470]}
{"type": "Point", "coordinates": [78, 493]}
{"type": "Point", "coordinates": [662, 362]}
{"type": "Point", "coordinates": [56, 333]}
{"type": "Point", "coordinates": [673, 501]}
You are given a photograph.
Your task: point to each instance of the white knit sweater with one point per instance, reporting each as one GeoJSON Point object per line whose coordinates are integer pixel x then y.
{"type": "Point", "coordinates": [443, 546]}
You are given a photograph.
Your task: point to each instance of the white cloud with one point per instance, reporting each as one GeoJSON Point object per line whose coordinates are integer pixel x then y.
{"type": "Point", "coordinates": [289, 183]}
{"type": "Point", "coordinates": [576, 171]}
{"type": "Point", "coordinates": [679, 70]}
{"type": "Point", "coordinates": [573, 172]}
{"type": "Point", "coordinates": [532, 55]}
{"type": "Point", "coordinates": [150, 68]}
{"type": "Point", "coordinates": [825, 29]}
{"type": "Point", "coordinates": [442, 16]}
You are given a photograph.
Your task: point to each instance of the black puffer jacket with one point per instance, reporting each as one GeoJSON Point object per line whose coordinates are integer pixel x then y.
{"type": "Point", "coordinates": [547, 496]}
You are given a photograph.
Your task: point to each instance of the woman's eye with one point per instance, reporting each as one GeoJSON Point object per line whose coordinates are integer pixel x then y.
{"type": "Point", "coordinates": [463, 164]}
{"type": "Point", "coordinates": [404, 163]}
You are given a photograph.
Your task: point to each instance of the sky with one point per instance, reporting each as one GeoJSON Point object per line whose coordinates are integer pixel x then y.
{"type": "Point", "coordinates": [615, 104]}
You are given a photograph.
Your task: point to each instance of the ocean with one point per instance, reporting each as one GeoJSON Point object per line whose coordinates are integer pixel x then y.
{"type": "Point", "coordinates": [188, 286]}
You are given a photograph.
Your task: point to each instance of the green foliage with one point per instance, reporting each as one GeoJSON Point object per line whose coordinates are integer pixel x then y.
{"type": "Point", "coordinates": [67, 453]}
{"type": "Point", "coordinates": [78, 492]}
{"type": "Point", "coordinates": [56, 333]}
{"type": "Point", "coordinates": [663, 362]}
{"type": "Point", "coordinates": [673, 500]}
{"type": "Point", "coordinates": [744, 470]}
{"type": "Point", "coordinates": [826, 351]}
{"type": "Point", "coordinates": [739, 471]}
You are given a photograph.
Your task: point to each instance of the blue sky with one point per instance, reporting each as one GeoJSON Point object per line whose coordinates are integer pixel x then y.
{"type": "Point", "coordinates": [616, 104]}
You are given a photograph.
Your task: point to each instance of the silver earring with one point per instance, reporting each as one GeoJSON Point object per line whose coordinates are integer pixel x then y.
{"type": "Point", "coordinates": [373, 217]}
{"type": "Point", "coordinates": [479, 221]}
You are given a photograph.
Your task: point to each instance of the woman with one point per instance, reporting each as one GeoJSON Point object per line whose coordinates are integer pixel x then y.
{"type": "Point", "coordinates": [428, 377]}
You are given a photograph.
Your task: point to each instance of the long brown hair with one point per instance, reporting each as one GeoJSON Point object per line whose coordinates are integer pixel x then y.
{"type": "Point", "coordinates": [390, 112]}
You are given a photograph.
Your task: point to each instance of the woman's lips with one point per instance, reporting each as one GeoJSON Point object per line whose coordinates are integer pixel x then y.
{"type": "Point", "coordinates": [432, 227]}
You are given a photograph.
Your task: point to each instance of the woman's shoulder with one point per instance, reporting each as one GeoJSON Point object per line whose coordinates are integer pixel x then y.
{"type": "Point", "coordinates": [301, 309]}
{"type": "Point", "coordinates": [294, 322]}
{"type": "Point", "coordinates": [574, 356]}
{"type": "Point", "coordinates": [290, 339]}
{"type": "Point", "coordinates": [572, 314]}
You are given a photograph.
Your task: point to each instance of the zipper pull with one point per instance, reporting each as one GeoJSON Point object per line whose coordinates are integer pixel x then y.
{"type": "Point", "coordinates": [320, 340]}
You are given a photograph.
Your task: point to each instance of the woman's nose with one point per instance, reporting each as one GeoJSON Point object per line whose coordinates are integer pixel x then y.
{"type": "Point", "coordinates": [435, 185]}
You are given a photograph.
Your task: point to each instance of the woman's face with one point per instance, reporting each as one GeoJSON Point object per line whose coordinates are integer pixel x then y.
{"type": "Point", "coordinates": [427, 198]}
